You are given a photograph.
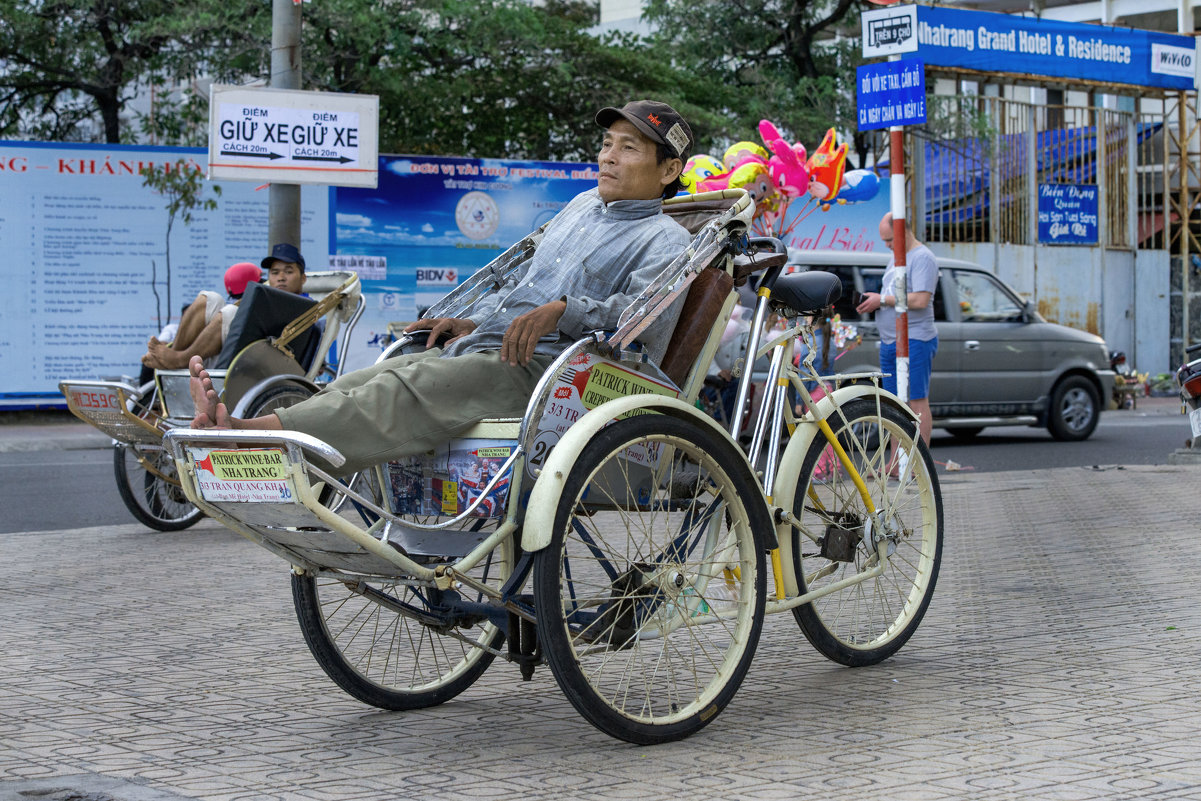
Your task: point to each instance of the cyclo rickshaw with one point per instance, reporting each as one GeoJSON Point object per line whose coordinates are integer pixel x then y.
{"type": "Point", "coordinates": [277, 353]}
{"type": "Point", "coordinates": [614, 532]}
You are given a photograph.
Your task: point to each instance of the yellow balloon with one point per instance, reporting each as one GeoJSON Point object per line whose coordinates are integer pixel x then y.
{"type": "Point", "coordinates": [756, 180]}
{"type": "Point", "coordinates": [698, 168]}
{"type": "Point", "coordinates": [739, 151]}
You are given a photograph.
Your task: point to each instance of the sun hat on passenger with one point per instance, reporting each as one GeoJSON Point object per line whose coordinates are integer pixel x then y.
{"type": "Point", "coordinates": [656, 121]}
{"type": "Point", "coordinates": [239, 275]}
{"type": "Point", "coordinates": [284, 252]}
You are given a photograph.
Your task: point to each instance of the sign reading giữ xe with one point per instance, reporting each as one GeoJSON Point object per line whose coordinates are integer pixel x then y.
{"type": "Point", "coordinates": [293, 137]}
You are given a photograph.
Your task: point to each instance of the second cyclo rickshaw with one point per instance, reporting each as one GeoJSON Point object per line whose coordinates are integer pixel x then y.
{"type": "Point", "coordinates": [281, 349]}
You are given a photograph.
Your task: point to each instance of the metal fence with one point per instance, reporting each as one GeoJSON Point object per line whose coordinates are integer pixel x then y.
{"type": "Point", "coordinates": [983, 158]}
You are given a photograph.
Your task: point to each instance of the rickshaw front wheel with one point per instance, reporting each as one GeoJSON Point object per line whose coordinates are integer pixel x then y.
{"type": "Point", "coordinates": [650, 595]}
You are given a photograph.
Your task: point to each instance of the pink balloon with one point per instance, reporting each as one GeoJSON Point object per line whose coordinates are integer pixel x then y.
{"type": "Point", "coordinates": [787, 164]}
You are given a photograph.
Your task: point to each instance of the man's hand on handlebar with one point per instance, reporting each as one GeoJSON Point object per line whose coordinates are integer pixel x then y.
{"type": "Point", "coordinates": [523, 333]}
{"type": "Point", "coordinates": [454, 326]}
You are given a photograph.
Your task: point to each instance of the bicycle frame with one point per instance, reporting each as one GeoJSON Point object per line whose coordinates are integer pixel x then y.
{"type": "Point", "coordinates": [783, 469]}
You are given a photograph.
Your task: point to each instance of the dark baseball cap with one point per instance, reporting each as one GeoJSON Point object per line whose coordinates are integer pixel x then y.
{"type": "Point", "coordinates": [656, 121]}
{"type": "Point", "coordinates": [284, 252]}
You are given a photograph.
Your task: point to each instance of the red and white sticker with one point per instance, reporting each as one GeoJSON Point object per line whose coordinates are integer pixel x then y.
{"type": "Point", "coordinates": [245, 476]}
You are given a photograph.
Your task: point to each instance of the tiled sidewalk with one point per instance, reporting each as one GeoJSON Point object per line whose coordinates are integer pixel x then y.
{"type": "Point", "coordinates": [1059, 660]}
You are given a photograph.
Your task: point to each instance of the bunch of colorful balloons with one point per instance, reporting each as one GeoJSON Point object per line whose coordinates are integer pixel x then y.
{"type": "Point", "coordinates": [781, 173]}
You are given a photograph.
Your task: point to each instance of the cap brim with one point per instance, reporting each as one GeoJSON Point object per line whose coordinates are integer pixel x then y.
{"type": "Point", "coordinates": [607, 116]}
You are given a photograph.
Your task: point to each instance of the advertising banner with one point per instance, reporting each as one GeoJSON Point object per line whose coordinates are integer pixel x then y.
{"type": "Point", "coordinates": [85, 254]}
{"type": "Point", "coordinates": [433, 221]}
{"type": "Point", "coordinates": [86, 246]}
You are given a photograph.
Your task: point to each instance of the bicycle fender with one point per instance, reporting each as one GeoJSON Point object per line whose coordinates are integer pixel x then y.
{"type": "Point", "coordinates": [548, 488]}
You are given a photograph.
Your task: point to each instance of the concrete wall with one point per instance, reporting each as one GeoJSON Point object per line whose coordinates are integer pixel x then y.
{"type": "Point", "coordinates": [1120, 295]}
{"type": "Point", "coordinates": [1152, 293]}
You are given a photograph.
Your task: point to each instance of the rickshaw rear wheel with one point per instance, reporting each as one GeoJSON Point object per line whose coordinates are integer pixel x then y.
{"type": "Point", "coordinates": [389, 660]}
{"type": "Point", "coordinates": [866, 623]}
{"type": "Point", "coordinates": [142, 473]}
{"type": "Point", "coordinates": [650, 596]}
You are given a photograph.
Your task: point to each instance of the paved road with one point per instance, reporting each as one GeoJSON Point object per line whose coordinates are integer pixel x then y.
{"type": "Point", "coordinates": [1058, 661]}
{"type": "Point", "coordinates": [63, 488]}
{"type": "Point", "coordinates": [1146, 435]}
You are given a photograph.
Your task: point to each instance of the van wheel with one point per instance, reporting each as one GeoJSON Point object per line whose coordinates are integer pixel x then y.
{"type": "Point", "coordinates": [1075, 409]}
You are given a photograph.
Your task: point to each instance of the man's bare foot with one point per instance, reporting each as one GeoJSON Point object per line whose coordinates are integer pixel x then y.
{"type": "Point", "coordinates": [160, 356]}
{"type": "Point", "coordinates": [210, 413]}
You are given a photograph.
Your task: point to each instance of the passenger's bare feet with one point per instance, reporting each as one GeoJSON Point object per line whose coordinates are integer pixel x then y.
{"type": "Point", "coordinates": [210, 413]}
{"type": "Point", "coordinates": [160, 356]}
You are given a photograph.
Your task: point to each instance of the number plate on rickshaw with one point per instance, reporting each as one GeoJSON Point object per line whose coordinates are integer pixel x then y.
{"type": "Point", "coordinates": [1194, 420]}
{"type": "Point", "coordinates": [93, 399]}
{"type": "Point", "coordinates": [243, 476]}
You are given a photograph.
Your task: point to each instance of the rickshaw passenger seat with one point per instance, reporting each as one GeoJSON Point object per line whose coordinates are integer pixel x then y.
{"type": "Point", "coordinates": [705, 299]}
{"type": "Point", "coordinates": [265, 312]}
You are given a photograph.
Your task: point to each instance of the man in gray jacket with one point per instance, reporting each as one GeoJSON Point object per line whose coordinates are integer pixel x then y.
{"type": "Point", "coordinates": [595, 257]}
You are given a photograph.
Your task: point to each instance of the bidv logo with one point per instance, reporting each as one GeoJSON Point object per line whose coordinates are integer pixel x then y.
{"type": "Point", "coordinates": [436, 276]}
{"type": "Point", "coordinates": [1169, 60]}
{"type": "Point", "coordinates": [890, 31]}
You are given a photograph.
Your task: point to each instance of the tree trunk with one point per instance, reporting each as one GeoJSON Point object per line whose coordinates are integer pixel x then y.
{"type": "Point", "coordinates": [110, 111]}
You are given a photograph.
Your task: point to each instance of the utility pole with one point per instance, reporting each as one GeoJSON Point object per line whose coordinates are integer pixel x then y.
{"type": "Point", "coordinates": [284, 200]}
{"type": "Point", "coordinates": [896, 169]}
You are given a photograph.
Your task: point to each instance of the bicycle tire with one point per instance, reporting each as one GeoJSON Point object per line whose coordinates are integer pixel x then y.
{"type": "Point", "coordinates": [384, 658]}
{"type": "Point", "coordinates": [865, 623]}
{"type": "Point", "coordinates": [148, 494]}
{"type": "Point", "coordinates": [618, 593]}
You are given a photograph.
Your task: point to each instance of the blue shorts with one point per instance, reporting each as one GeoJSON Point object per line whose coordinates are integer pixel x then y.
{"type": "Point", "coordinates": [921, 358]}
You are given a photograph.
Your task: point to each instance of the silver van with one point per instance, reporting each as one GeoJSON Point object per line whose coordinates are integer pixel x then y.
{"type": "Point", "coordinates": [998, 362]}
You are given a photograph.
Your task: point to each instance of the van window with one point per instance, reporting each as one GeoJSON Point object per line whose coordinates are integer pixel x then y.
{"type": "Point", "coordinates": [874, 276]}
{"type": "Point", "coordinates": [981, 299]}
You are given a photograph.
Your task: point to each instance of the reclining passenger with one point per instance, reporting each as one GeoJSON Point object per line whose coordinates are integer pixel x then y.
{"type": "Point", "coordinates": [596, 255]}
{"type": "Point", "coordinates": [205, 325]}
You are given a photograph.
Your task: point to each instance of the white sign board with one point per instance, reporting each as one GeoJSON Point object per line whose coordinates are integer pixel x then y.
{"type": "Point", "coordinates": [85, 249]}
{"type": "Point", "coordinates": [291, 137]}
{"type": "Point", "coordinates": [889, 31]}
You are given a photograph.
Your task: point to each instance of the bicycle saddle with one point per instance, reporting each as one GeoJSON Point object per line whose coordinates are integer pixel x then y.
{"type": "Point", "coordinates": [808, 292]}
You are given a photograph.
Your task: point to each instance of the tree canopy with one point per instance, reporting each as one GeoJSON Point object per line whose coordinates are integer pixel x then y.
{"type": "Point", "coordinates": [68, 68]}
{"type": "Point", "coordinates": [790, 61]}
{"type": "Point", "coordinates": [488, 78]}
